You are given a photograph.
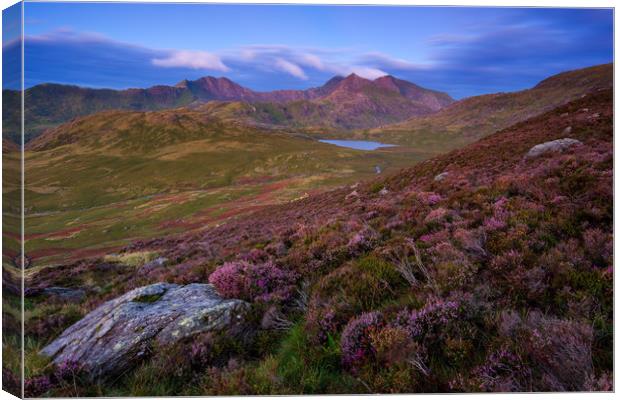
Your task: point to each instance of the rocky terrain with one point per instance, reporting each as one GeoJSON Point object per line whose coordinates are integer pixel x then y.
{"type": "Point", "coordinates": [489, 268]}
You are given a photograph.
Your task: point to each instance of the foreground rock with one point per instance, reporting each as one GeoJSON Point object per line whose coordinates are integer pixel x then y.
{"type": "Point", "coordinates": [553, 146]}
{"type": "Point", "coordinates": [117, 334]}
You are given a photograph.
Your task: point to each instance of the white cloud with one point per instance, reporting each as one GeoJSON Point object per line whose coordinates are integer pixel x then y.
{"type": "Point", "coordinates": [384, 61]}
{"type": "Point", "coordinates": [290, 68]}
{"type": "Point", "coordinates": [367, 72]}
{"type": "Point", "coordinates": [191, 59]}
{"type": "Point", "coordinates": [312, 60]}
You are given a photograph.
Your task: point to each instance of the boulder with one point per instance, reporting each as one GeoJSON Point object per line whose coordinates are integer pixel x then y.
{"type": "Point", "coordinates": [441, 177]}
{"type": "Point", "coordinates": [552, 146]}
{"type": "Point", "coordinates": [119, 333]}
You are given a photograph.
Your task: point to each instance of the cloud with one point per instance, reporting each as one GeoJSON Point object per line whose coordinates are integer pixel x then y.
{"type": "Point", "coordinates": [290, 68]}
{"type": "Point", "coordinates": [368, 73]}
{"type": "Point", "coordinates": [497, 54]}
{"type": "Point", "coordinates": [380, 60]}
{"type": "Point", "coordinates": [191, 59]}
{"type": "Point", "coordinates": [312, 60]}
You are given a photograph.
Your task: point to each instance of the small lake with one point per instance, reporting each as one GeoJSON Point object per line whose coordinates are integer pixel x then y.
{"type": "Point", "coordinates": [358, 144]}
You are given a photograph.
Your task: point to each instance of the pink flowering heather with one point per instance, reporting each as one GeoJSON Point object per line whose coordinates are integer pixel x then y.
{"type": "Point", "coordinates": [37, 385]}
{"type": "Point", "coordinates": [437, 214]}
{"type": "Point", "coordinates": [434, 316]}
{"type": "Point", "coordinates": [429, 198]}
{"type": "Point", "coordinates": [435, 237]}
{"type": "Point", "coordinates": [502, 371]}
{"type": "Point", "coordinates": [253, 282]}
{"type": "Point", "coordinates": [362, 241]}
{"type": "Point", "coordinates": [356, 343]}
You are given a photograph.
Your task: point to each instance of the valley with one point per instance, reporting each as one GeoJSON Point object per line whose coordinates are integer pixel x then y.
{"type": "Point", "coordinates": [94, 195]}
{"type": "Point", "coordinates": [99, 182]}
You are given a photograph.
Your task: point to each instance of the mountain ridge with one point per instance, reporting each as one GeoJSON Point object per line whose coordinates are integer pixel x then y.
{"type": "Point", "coordinates": [51, 104]}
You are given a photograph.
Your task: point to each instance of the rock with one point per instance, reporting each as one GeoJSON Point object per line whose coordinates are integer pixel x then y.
{"type": "Point", "coordinates": [553, 146]}
{"type": "Point", "coordinates": [567, 130]}
{"type": "Point", "coordinates": [384, 191]}
{"type": "Point", "coordinates": [441, 177]}
{"type": "Point", "coordinates": [119, 333]}
{"type": "Point", "coordinates": [352, 194]}
{"type": "Point", "coordinates": [65, 294]}
{"type": "Point", "coordinates": [158, 262]}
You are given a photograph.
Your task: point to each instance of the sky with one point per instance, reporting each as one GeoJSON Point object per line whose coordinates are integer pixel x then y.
{"type": "Point", "coordinates": [462, 51]}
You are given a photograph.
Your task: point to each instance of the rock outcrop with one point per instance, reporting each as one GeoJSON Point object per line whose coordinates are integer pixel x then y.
{"type": "Point", "coordinates": [119, 333]}
{"type": "Point", "coordinates": [552, 146]}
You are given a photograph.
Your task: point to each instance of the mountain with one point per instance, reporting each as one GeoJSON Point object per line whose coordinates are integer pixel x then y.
{"type": "Point", "coordinates": [334, 104]}
{"type": "Point", "coordinates": [343, 103]}
{"type": "Point", "coordinates": [481, 269]}
{"type": "Point", "coordinates": [469, 119]}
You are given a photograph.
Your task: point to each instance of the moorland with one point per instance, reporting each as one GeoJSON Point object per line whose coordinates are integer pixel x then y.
{"type": "Point", "coordinates": [473, 261]}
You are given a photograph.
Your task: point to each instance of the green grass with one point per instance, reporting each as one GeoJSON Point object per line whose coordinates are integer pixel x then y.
{"type": "Point", "coordinates": [103, 190]}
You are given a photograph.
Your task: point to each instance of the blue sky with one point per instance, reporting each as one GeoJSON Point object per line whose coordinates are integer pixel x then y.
{"type": "Point", "coordinates": [463, 51]}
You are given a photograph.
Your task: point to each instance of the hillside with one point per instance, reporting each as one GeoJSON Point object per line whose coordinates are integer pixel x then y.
{"type": "Point", "coordinates": [489, 268]}
{"type": "Point", "coordinates": [100, 181]}
{"type": "Point", "coordinates": [470, 119]}
{"type": "Point", "coordinates": [386, 99]}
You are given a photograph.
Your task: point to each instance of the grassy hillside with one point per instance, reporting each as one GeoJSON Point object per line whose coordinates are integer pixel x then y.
{"type": "Point", "coordinates": [470, 119]}
{"type": "Point", "coordinates": [478, 270]}
{"type": "Point", "coordinates": [99, 181]}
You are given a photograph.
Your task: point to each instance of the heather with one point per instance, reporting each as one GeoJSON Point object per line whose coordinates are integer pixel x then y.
{"type": "Point", "coordinates": [498, 276]}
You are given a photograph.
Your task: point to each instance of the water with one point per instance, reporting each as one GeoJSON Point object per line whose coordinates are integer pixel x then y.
{"type": "Point", "coordinates": [358, 144]}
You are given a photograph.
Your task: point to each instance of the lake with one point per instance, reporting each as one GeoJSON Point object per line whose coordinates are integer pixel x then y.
{"type": "Point", "coordinates": [358, 144]}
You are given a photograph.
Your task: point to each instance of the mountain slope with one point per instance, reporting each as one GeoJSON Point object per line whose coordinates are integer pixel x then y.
{"type": "Point", "coordinates": [102, 180]}
{"type": "Point", "coordinates": [498, 277]}
{"type": "Point", "coordinates": [383, 100]}
{"type": "Point", "coordinates": [469, 119]}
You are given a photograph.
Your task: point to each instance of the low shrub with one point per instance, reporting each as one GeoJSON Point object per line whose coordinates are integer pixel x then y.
{"type": "Point", "coordinates": [262, 282]}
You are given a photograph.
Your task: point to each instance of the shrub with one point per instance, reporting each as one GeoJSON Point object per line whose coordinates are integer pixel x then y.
{"type": "Point", "coordinates": [362, 241]}
{"type": "Point", "coordinates": [502, 371]}
{"type": "Point", "coordinates": [431, 319]}
{"type": "Point", "coordinates": [356, 343]}
{"type": "Point", "coordinates": [263, 282]}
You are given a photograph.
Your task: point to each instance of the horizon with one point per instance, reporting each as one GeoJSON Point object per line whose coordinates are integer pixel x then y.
{"type": "Point", "coordinates": [267, 91]}
{"type": "Point", "coordinates": [123, 45]}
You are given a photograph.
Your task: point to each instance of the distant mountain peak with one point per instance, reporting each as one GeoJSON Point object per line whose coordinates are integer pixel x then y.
{"type": "Point", "coordinates": [354, 77]}
{"type": "Point", "coordinates": [183, 84]}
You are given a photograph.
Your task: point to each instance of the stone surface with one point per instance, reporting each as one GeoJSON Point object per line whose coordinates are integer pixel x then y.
{"type": "Point", "coordinates": [552, 146]}
{"type": "Point", "coordinates": [116, 335]}
{"type": "Point", "coordinates": [441, 177]}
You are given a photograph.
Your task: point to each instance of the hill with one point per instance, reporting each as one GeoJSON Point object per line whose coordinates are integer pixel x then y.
{"type": "Point", "coordinates": [489, 268]}
{"type": "Point", "coordinates": [100, 181]}
{"type": "Point", "coordinates": [386, 99]}
{"type": "Point", "coordinates": [470, 119]}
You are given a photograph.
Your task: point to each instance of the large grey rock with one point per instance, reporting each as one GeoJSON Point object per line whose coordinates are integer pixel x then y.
{"type": "Point", "coordinates": [113, 337]}
{"type": "Point", "coordinates": [552, 146]}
